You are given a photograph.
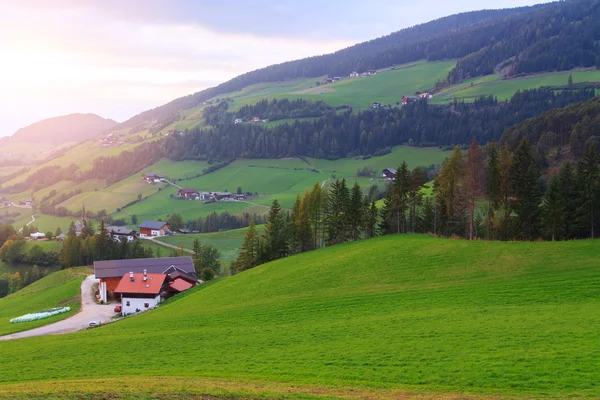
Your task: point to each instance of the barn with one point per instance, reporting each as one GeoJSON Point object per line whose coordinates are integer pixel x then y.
{"type": "Point", "coordinates": [153, 228]}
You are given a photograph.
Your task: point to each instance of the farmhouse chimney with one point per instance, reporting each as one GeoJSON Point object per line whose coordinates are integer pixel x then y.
{"type": "Point", "coordinates": [131, 276]}
{"type": "Point", "coordinates": [145, 278]}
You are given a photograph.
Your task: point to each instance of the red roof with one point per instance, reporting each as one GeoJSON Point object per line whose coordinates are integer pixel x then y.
{"type": "Point", "coordinates": [151, 285]}
{"type": "Point", "coordinates": [180, 285]}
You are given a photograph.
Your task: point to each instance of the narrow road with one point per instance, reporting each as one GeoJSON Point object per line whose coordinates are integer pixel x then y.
{"type": "Point", "coordinates": [29, 223]}
{"type": "Point", "coordinates": [90, 311]}
{"type": "Point", "coordinates": [324, 182]}
{"type": "Point", "coordinates": [173, 184]}
{"type": "Point", "coordinates": [158, 242]}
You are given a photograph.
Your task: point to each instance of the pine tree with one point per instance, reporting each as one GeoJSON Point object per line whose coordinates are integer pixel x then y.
{"type": "Point", "coordinates": [385, 213]}
{"type": "Point", "coordinates": [303, 229]}
{"type": "Point", "coordinates": [505, 188]}
{"type": "Point", "coordinates": [399, 196]}
{"type": "Point", "coordinates": [427, 220]}
{"type": "Point", "coordinates": [276, 243]}
{"type": "Point", "coordinates": [493, 189]}
{"type": "Point", "coordinates": [524, 185]}
{"type": "Point", "coordinates": [292, 227]}
{"type": "Point", "coordinates": [418, 178]}
{"type": "Point", "coordinates": [570, 81]}
{"type": "Point", "coordinates": [553, 211]}
{"type": "Point", "coordinates": [451, 182]}
{"type": "Point", "coordinates": [589, 181]}
{"type": "Point", "coordinates": [570, 198]}
{"type": "Point", "coordinates": [315, 210]}
{"type": "Point", "coordinates": [474, 178]}
{"type": "Point", "coordinates": [355, 212]}
{"type": "Point", "coordinates": [370, 219]}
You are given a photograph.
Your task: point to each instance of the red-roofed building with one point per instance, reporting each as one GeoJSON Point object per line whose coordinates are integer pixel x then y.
{"type": "Point", "coordinates": [179, 285]}
{"type": "Point", "coordinates": [140, 292]}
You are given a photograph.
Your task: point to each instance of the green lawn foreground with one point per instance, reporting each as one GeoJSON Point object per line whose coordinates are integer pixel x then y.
{"type": "Point", "coordinates": [409, 313]}
{"type": "Point", "coordinates": [60, 289]}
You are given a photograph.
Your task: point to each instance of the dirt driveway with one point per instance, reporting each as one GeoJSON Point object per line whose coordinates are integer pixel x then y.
{"type": "Point", "coordinates": [90, 311]}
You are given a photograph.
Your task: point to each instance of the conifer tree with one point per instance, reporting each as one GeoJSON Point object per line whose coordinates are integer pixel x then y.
{"type": "Point", "coordinates": [399, 196]}
{"type": "Point", "coordinates": [493, 189]}
{"type": "Point", "coordinates": [418, 178]}
{"type": "Point", "coordinates": [315, 210]}
{"type": "Point", "coordinates": [505, 189]}
{"type": "Point", "coordinates": [569, 195]}
{"type": "Point", "coordinates": [385, 213]}
{"type": "Point", "coordinates": [451, 182]}
{"type": "Point", "coordinates": [589, 183]}
{"type": "Point", "coordinates": [276, 243]}
{"type": "Point", "coordinates": [355, 212]}
{"type": "Point", "coordinates": [474, 178]}
{"type": "Point", "coordinates": [524, 185]}
{"type": "Point", "coordinates": [553, 211]}
{"type": "Point", "coordinates": [303, 229]}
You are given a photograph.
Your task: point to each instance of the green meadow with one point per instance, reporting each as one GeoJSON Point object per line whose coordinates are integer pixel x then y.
{"type": "Point", "coordinates": [398, 315]}
{"type": "Point", "coordinates": [504, 89]}
{"type": "Point", "coordinates": [227, 242]}
{"type": "Point", "coordinates": [60, 289]}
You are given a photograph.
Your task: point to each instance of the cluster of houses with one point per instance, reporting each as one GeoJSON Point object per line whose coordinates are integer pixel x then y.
{"type": "Point", "coordinates": [254, 120]}
{"type": "Point", "coordinates": [404, 101]}
{"type": "Point", "coordinates": [193, 194]}
{"type": "Point", "coordinates": [353, 74]}
{"type": "Point", "coordinates": [151, 177]}
{"type": "Point", "coordinates": [389, 174]}
{"type": "Point", "coordinates": [141, 284]}
{"type": "Point", "coordinates": [112, 139]}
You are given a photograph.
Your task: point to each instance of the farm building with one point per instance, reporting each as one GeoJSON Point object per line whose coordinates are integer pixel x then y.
{"type": "Point", "coordinates": [389, 173]}
{"type": "Point", "coordinates": [153, 228]}
{"type": "Point", "coordinates": [426, 95]}
{"type": "Point", "coordinates": [140, 291]}
{"type": "Point", "coordinates": [189, 194]}
{"type": "Point", "coordinates": [37, 236]}
{"type": "Point", "coordinates": [153, 178]}
{"type": "Point", "coordinates": [118, 232]}
{"type": "Point", "coordinates": [222, 196]}
{"type": "Point", "coordinates": [409, 99]}
{"type": "Point", "coordinates": [354, 74]}
{"type": "Point", "coordinates": [110, 273]}
{"type": "Point", "coordinates": [371, 72]}
{"type": "Point", "coordinates": [237, 121]}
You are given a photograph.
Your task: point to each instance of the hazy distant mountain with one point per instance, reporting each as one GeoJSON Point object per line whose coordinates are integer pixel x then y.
{"type": "Point", "coordinates": [61, 130]}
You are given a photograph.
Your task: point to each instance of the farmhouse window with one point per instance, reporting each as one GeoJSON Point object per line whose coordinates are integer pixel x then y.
{"type": "Point", "coordinates": [127, 304]}
{"type": "Point", "coordinates": [146, 305]}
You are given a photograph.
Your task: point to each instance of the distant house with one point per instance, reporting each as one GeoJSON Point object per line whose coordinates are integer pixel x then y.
{"type": "Point", "coordinates": [239, 197]}
{"type": "Point", "coordinates": [237, 121]}
{"type": "Point", "coordinates": [110, 273]}
{"type": "Point", "coordinates": [153, 178]}
{"type": "Point", "coordinates": [426, 95]}
{"type": "Point", "coordinates": [37, 236]}
{"type": "Point", "coordinates": [371, 72]}
{"type": "Point", "coordinates": [354, 74]}
{"type": "Point", "coordinates": [328, 80]}
{"type": "Point", "coordinates": [26, 203]}
{"type": "Point", "coordinates": [188, 194]}
{"type": "Point", "coordinates": [256, 119]}
{"type": "Point", "coordinates": [389, 174]}
{"type": "Point", "coordinates": [409, 99]}
{"type": "Point", "coordinates": [376, 105]}
{"type": "Point", "coordinates": [337, 78]}
{"type": "Point", "coordinates": [118, 232]}
{"type": "Point", "coordinates": [153, 228]}
{"type": "Point", "coordinates": [222, 196]}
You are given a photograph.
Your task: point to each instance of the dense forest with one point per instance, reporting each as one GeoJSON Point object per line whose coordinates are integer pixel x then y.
{"type": "Point", "coordinates": [488, 193]}
{"type": "Point", "coordinates": [556, 36]}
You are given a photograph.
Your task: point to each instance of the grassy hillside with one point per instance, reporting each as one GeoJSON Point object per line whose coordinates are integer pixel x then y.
{"type": "Point", "coordinates": [493, 85]}
{"type": "Point", "coordinates": [390, 316]}
{"type": "Point", "coordinates": [62, 288]}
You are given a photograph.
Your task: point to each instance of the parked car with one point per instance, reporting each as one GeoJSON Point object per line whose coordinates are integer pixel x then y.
{"type": "Point", "coordinates": [94, 324]}
{"type": "Point", "coordinates": [118, 308]}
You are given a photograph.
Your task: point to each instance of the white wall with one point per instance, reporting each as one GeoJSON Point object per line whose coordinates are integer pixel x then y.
{"type": "Point", "coordinates": [103, 295]}
{"type": "Point", "coordinates": [135, 303]}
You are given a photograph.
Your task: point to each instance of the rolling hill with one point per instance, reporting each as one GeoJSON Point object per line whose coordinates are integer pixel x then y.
{"type": "Point", "coordinates": [398, 316]}
{"type": "Point", "coordinates": [53, 133]}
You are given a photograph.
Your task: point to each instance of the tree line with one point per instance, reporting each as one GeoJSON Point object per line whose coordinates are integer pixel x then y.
{"type": "Point", "coordinates": [488, 193]}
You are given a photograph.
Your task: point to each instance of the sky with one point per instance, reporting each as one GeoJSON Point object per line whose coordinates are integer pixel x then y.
{"type": "Point", "coordinates": [117, 58]}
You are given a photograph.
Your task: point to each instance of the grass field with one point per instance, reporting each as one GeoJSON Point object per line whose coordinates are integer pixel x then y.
{"type": "Point", "coordinates": [390, 316]}
{"type": "Point", "coordinates": [228, 242]}
{"type": "Point", "coordinates": [61, 288]}
{"type": "Point", "coordinates": [505, 89]}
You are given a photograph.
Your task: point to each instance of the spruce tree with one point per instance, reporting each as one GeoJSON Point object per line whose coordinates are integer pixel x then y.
{"type": "Point", "coordinates": [570, 198]}
{"type": "Point", "coordinates": [276, 242]}
{"type": "Point", "coordinates": [303, 229]}
{"type": "Point", "coordinates": [315, 210]}
{"type": "Point", "coordinates": [524, 185]}
{"type": "Point", "coordinates": [505, 190]}
{"type": "Point", "coordinates": [589, 181]}
{"type": "Point", "coordinates": [355, 212]}
{"type": "Point", "coordinates": [553, 211]}
{"type": "Point", "coordinates": [418, 178]}
{"type": "Point", "coordinates": [385, 227]}
{"type": "Point", "coordinates": [474, 179]}
{"type": "Point", "coordinates": [493, 189]}
{"type": "Point", "coordinates": [451, 190]}
{"type": "Point", "coordinates": [400, 190]}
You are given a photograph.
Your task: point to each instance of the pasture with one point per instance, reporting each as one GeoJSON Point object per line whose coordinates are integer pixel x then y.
{"type": "Point", "coordinates": [62, 288]}
{"type": "Point", "coordinates": [493, 85]}
{"type": "Point", "coordinates": [227, 242]}
{"type": "Point", "coordinates": [398, 315]}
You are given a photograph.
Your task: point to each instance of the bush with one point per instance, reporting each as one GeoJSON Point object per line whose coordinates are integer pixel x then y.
{"type": "Point", "coordinates": [207, 274]}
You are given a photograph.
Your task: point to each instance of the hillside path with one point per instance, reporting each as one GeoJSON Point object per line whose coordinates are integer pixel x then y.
{"type": "Point", "coordinates": [158, 242]}
{"type": "Point", "coordinates": [90, 311]}
{"type": "Point", "coordinates": [174, 184]}
{"type": "Point", "coordinates": [29, 223]}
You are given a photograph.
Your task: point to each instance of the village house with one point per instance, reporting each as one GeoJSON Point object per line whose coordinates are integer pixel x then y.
{"type": "Point", "coordinates": [140, 291]}
{"type": "Point", "coordinates": [237, 121]}
{"type": "Point", "coordinates": [353, 74]}
{"type": "Point", "coordinates": [118, 232]}
{"type": "Point", "coordinates": [389, 174]}
{"type": "Point", "coordinates": [239, 197]}
{"type": "Point", "coordinates": [426, 95]}
{"type": "Point", "coordinates": [37, 236]}
{"type": "Point", "coordinates": [256, 119]}
{"type": "Point", "coordinates": [111, 272]}
{"type": "Point", "coordinates": [337, 78]}
{"type": "Point", "coordinates": [328, 80]}
{"type": "Point", "coordinates": [222, 196]}
{"type": "Point", "coordinates": [188, 194]}
{"type": "Point", "coordinates": [26, 203]}
{"type": "Point", "coordinates": [371, 72]}
{"type": "Point", "coordinates": [153, 178]}
{"type": "Point", "coordinates": [376, 105]}
{"type": "Point", "coordinates": [409, 99]}
{"type": "Point", "coordinates": [153, 228]}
